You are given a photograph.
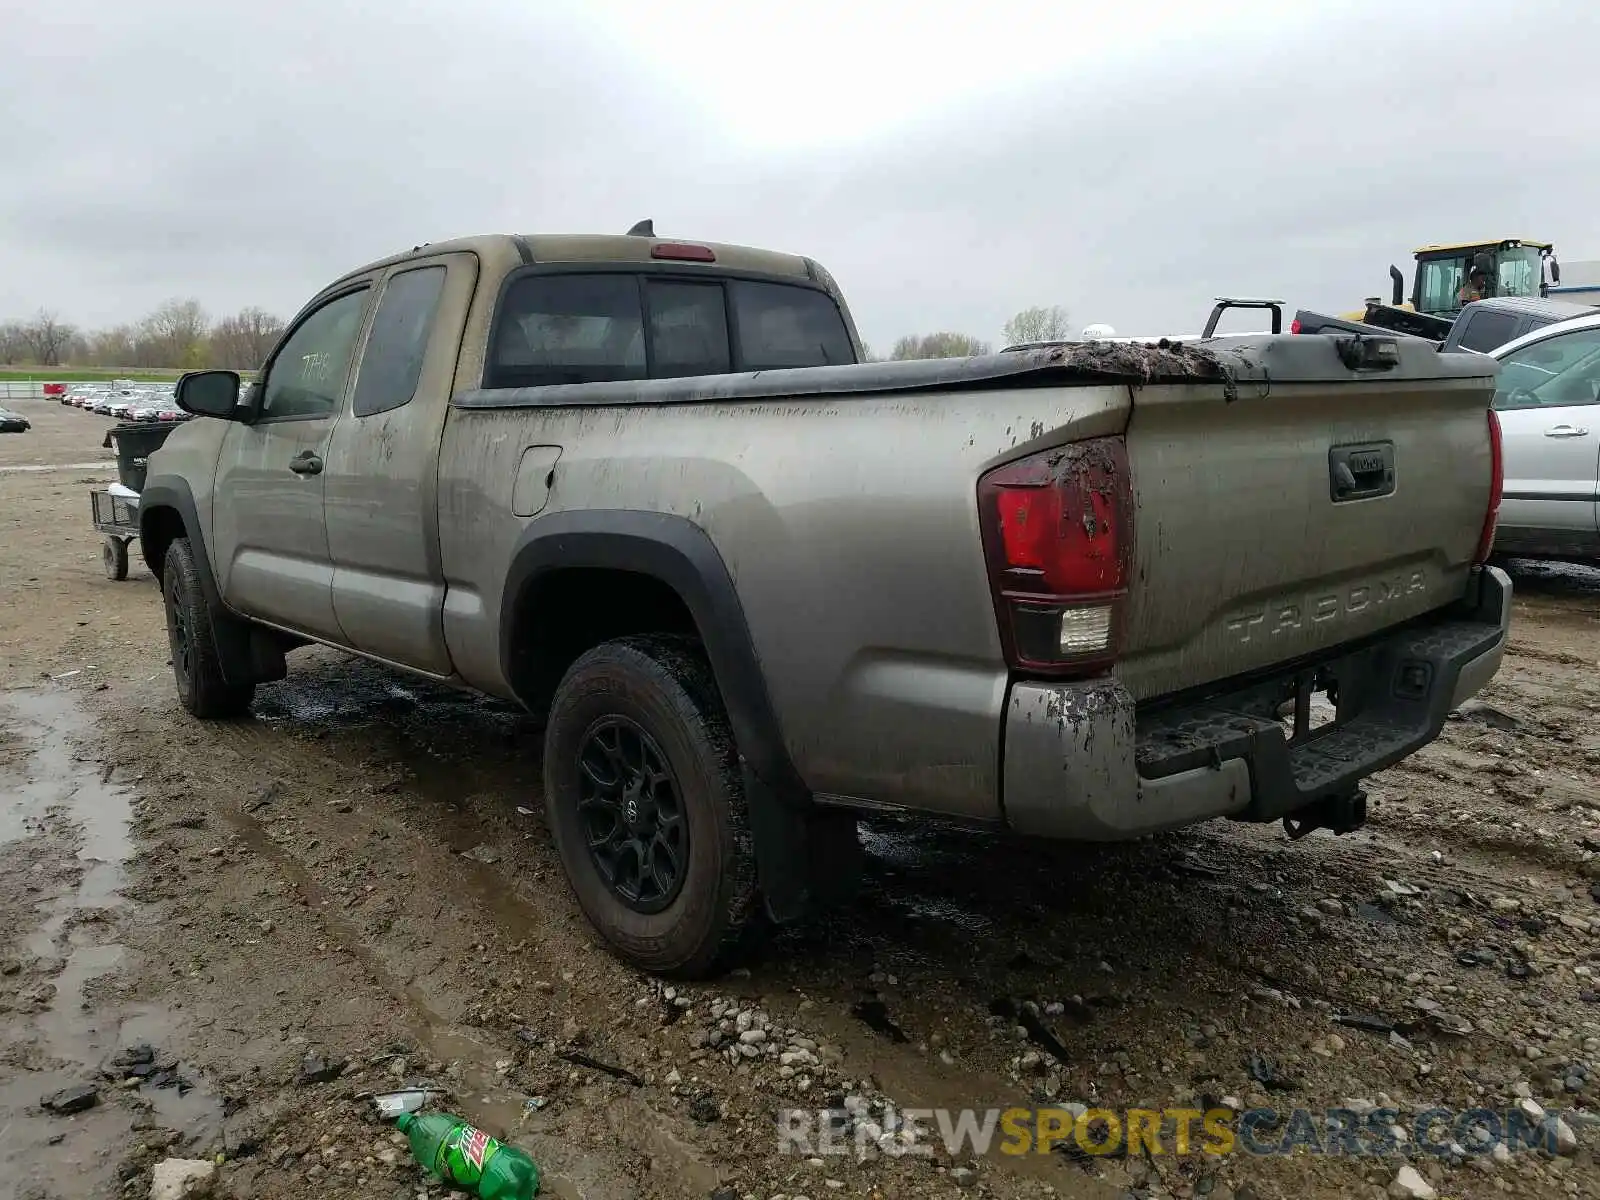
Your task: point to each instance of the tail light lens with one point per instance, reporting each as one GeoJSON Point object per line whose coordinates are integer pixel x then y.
{"type": "Point", "coordinates": [1294, 326]}
{"type": "Point", "coordinates": [1497, 484]}
{"type": "Point", "coordinates": [1058, 538]}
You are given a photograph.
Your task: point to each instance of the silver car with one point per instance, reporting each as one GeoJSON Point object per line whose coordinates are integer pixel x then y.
{"type": "Point", "coordinates": [1548, 401]}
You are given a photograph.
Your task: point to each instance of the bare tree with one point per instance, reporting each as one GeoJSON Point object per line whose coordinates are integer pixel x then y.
{"type": "Point", "coordinates": [47, 337]}
{"type": "Point", "coordinates": [112, 347]}
{"type": "Point", "coordinates": [1038, 325]}
{"type": "Point", "coordinates": [13, 342]}
{"type": "Point", "coordinates": [173, 336]}
{"type": "Point", "coordinates": [244, 340]}
{"type": "Point", "coordinates": [938, 345]}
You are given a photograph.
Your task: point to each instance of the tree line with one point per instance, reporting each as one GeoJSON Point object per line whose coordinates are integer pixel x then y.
{"type": "Point", "coordinates": [178, 334]}
{"type": "Point", "coordinates": [1039, 324]}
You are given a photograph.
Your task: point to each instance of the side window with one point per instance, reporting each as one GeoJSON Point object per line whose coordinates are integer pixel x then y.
{"type": "Point", "coordinates": [688, 329]}
{"type": "Point", "coordinates": [392, 362]}
{"type": "Point", "coordinates": [307, 375]}
{"type": "Point", "coordinates": [783, 326]}
{"type": "Point", "coordinates": [568, 329]}
{"type": "Point", "coordinates": [1488, 331]}
{"type": "Point", "coordinates": [1556, 372]}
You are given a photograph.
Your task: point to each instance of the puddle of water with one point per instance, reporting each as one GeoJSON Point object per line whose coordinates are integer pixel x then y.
{"type": "Point", "coordinates": [76, 1035]}
{"type": "Point", "coordinates": [934, 908]}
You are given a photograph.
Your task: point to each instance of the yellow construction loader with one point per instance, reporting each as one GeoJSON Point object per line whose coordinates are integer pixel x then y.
{"type": "Point", "coordinates": [1448, 275]}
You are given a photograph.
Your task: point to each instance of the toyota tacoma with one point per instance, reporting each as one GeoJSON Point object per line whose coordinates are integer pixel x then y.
{"type": "Point", "coordinates": [757, 588]}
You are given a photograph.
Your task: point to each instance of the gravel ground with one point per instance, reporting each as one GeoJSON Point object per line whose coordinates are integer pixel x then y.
{"type": "Point", "coordinates": [353, 891]}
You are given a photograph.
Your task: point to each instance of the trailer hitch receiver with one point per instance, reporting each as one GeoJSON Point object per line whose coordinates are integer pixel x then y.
{"type": "Point", "coordinates": [1342, 814]}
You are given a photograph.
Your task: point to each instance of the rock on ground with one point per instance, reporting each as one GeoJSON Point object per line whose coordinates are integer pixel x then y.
{"type": "Point", "coordinates": [182, 1179]}
{"type": "Point", "coordinates": [1409, 1185]}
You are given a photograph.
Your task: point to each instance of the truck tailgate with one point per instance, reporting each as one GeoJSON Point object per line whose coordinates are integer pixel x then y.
{"type": "Point", "coordinates": [1307, 506]}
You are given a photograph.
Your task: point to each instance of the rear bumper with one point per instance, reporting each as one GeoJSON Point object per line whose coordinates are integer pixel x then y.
{"type": "Point", "coordinates": [1083, 761]}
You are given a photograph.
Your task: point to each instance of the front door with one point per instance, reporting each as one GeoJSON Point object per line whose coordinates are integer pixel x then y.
{"type": "Point", "coordinates": [1548, 402]}
{"type": "Point", "coordinates": [383, 465]}
{"type": "Point", "coordinates": [271, 538]}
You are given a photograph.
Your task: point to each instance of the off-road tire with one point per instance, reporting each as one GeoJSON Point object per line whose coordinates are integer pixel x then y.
{"type": "Point", "coordinates": [664, 686]}
{"type": "Point", "coordinates": [192, 639]}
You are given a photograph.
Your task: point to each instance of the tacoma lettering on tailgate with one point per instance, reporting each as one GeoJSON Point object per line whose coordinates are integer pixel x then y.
{"type": "Point", "coordinates": [1316, 608]}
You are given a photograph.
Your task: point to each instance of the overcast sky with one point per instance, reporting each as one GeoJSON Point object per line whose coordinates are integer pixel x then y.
{"type": "Point", "coordinates": [949, 162]}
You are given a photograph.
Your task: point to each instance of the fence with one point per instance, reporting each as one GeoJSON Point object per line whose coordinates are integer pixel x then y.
{"type": "Point", "coordinates": [40, 389]}
{"type": "Point", "coordinates": [30, 389]}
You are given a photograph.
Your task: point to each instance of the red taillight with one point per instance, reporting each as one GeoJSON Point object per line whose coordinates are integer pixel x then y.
{"type": "Point", "coordinates": [682, 252]}
{"type": "Point", "coordinates": [1058, 536]}
{"type": "Point", "coordinates": [1497, 484]}
{"type": "Point", "coordinates": [1294, 326]}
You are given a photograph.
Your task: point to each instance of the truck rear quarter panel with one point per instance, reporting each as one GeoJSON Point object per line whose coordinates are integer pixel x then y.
{"type": "Point", "coordinates": [849, 525]}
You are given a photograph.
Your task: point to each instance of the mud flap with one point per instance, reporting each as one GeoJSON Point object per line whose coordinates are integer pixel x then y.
{"type": "Point", "coordinates": [246, 653]}
{"type": "Point", "coordinates": [806, 858]}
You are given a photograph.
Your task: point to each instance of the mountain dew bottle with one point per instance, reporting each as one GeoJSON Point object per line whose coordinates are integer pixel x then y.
{"type": "Point", "coordinates": [468, 1159]}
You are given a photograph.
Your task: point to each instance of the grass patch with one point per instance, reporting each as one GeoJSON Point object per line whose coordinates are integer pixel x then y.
{"type": "Point", "coordinates": [83, 375]}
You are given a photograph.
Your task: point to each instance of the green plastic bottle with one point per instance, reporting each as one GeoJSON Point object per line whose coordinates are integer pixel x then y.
{"type": "Point", "coordinates": [468, 1159]}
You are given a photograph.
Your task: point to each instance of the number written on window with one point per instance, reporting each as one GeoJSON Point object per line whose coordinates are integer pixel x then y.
{"type": "Point", "coordinates": [307, 376]}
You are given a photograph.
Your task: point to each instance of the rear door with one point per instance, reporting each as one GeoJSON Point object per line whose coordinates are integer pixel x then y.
{"type": "Point", "coordinates": [271, 539]}
{"type": "Point", "coordinates": [381, 474]}
{"type": "Point", "coordinates": [1548, 401]}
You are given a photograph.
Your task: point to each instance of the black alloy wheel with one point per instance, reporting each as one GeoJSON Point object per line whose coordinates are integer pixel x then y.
{"type": "Point", "coordinates": [632, 813]}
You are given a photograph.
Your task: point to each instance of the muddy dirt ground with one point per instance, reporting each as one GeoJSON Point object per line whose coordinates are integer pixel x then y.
{"type": "Point", "coordinates": [353, 890]}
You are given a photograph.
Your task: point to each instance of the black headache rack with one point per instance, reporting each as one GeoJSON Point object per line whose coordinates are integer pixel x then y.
{"type": "Point", "coordinates": [1391, 695]}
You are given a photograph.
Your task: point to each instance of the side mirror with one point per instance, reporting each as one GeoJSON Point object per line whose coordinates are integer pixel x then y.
{"type": "Point", "coordinates": [209, 393]}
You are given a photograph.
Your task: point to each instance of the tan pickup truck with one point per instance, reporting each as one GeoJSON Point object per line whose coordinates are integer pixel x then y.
{"type": "Point", "coordinates": [757, 588]}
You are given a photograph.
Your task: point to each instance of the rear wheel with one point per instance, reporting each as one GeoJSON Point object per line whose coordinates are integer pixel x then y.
{"type": "Point", "coordinates": [645, 801]}
{"type": "Point", "coordinates": [190, 634]}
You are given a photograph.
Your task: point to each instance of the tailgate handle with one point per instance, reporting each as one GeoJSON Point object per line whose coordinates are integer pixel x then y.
{"type": "Point", "coordinates": [1363, 472]}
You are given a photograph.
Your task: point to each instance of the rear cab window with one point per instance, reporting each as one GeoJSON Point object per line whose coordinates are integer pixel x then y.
{"type": "Point", "coordinates": [596, 327]}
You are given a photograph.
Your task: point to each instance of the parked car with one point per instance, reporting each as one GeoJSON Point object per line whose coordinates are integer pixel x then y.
{"type": "Point", "coordinates": [13, 422]}
{"type": "Point", "coordinates": [1548, 402]}
{"type": "Point", "coordinates": [756, 590]}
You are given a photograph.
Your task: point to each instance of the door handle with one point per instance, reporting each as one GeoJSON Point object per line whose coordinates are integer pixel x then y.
{"type": "Point", "coordinates": [306, 463]}
{"type": "Point", "coordinates": [1566, 431]}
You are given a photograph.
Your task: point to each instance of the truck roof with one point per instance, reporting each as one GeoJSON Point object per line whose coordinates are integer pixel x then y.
{"type": "Point", "coordinates": [602, 248]}
{"type": "Point", "coordinates": [1555, 310]}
